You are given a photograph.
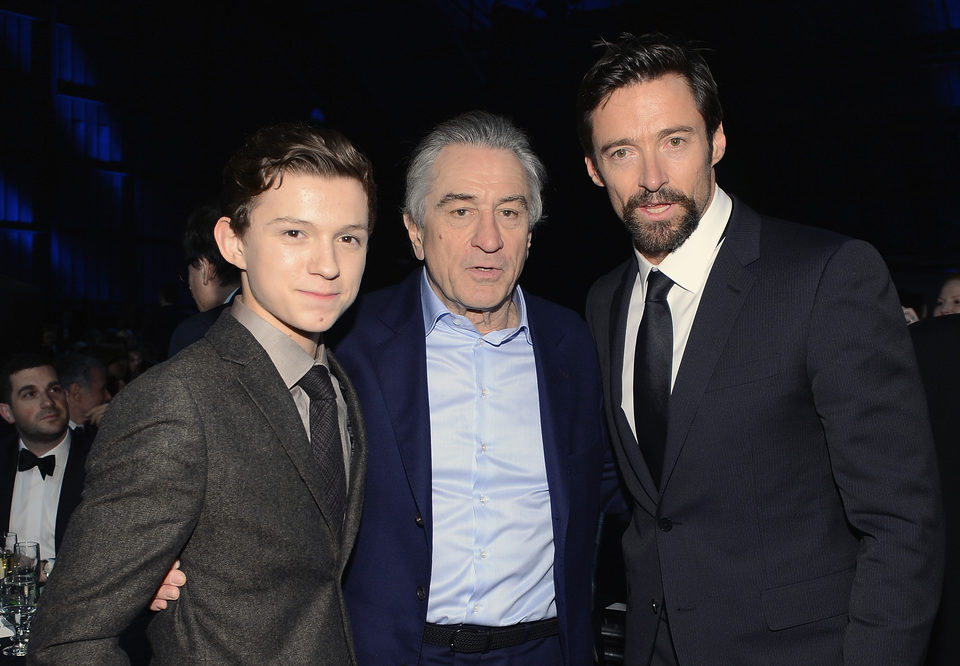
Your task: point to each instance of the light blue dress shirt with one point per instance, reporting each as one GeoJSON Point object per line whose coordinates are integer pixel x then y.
{"type": "Point", "coordinates": [492, 561]}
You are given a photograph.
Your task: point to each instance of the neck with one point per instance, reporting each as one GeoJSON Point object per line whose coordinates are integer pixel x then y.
{"type": "Point", "coordinates": [486, 321]}
{"type": "Point", "coordinates": [41, 447]}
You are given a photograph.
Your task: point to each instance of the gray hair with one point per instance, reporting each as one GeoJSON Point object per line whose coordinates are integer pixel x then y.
{"type": "Point", "coordinates": [75, 368]}
{"type": "Point", "coordinates": [474, 128]}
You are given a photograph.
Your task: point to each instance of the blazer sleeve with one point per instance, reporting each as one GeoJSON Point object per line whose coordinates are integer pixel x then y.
{"type": "Point", "coordinates": [144, 489]}
{"type": "Point", "coordinates": [869, 399]}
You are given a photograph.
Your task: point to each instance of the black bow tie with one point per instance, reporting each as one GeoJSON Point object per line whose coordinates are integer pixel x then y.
{"type": "Point", "coordinates": [27, 461]}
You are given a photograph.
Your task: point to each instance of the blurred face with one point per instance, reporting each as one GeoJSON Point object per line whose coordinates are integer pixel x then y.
{"type": "Point", "coordinates": [81, 400]}
{"type": "Point", "coordinates": [303, 254]}
{"type": "Point", "coordinates": [655, 159]}
{"type": "Point", "coordinates": [38, 408]}
{"type": "Point", "coordinates": [949, 300]}
{"type": "Point", "coordinates": [476, 233]}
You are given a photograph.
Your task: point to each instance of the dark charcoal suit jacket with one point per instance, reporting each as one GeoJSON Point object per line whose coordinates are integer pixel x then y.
{"type": "Point", "coordinates": [387, 584]}
{"type": "Point", "coordinates": [70, 489]}
{"type": "Point", "coordinates": [937, 343]}
{"type": "Point", "coordinates": [205, 458]}
{"type": "Point", "coordinates": [798, 520]}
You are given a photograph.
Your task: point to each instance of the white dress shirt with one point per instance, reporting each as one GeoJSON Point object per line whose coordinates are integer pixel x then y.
{"type": "Point", "coordinates": [689, 267]}
{"type": "Point", "coordinates": [33, 506]}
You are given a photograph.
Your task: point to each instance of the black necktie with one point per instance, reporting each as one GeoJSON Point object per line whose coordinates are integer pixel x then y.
{"type": "Point", "coordinates": [27, 460]}
{"type": "Point", "coordinates": [651, 372]}
{"type": "Point", "coordinates": [325, 438]}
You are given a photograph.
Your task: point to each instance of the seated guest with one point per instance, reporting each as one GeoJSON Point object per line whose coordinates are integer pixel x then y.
{"type": "Point", "coordinates": [41, 466]}
{"type": "Point", "coordinates": [948, 301]}
{"type": "Point", "coordinates": [84, 382]}
{"type": "Point", "coordinates": [212, 279]}
{"type": "Point", "coordinates": [244, 456]}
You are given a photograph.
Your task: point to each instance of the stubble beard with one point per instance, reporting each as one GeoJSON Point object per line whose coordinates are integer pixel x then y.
{"type": "Point", "coordinates": [660, 238]}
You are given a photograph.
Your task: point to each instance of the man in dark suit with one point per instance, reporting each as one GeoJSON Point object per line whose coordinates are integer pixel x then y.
{"type": "Point", "coordinates": [484, 414]}
{"type": "Point", "coordinates": [937, 344]}
{"type": "Point", "coordinates": [763, 398]}
{"type": "Point", "coordinates": [213, 280]}
{"type": "Point", "coordinates": [41, 466]}
{"type": "Point", "coordinates": [240, 457]}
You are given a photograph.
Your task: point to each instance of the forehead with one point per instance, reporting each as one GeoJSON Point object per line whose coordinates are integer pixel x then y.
{"type": "Point", "coordinates": [477, 170]}
{"type": "Point", "coordinates": [312, 197]}
{"type": "Point", "coordinates": [39, 376]}
{"type": "Point", "coordinates": [649, 106]}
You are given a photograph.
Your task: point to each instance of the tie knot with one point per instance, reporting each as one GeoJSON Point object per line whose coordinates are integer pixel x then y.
{"type": "Point", "coordinates": [317, 384]}
{"type": "Point", "coordinates": [658, 285]}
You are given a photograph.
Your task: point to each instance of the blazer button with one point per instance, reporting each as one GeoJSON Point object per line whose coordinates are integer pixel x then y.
{"type": "Point", "coordinates": [665, 524]}
{"type": "Point", "coordinates": [419, 520]}
{"type": "Point", "coordinates": [654, 606]}
{"type": "Point", "coordinates": [421, 593]}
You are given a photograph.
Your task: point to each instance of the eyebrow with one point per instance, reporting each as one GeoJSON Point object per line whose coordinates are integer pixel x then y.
{"type": "Point", "coordinates": [662, 134]}
{"type": "Point", "coordinates": [34, 387]}
{"type": "Point", "coordinates": [459, 196]}
{"type": "Point", "coordinates": [455, 196]}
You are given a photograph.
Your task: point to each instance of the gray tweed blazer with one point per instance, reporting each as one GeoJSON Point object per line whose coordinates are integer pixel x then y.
{"type": "Point", "coordinates": [205, 458]}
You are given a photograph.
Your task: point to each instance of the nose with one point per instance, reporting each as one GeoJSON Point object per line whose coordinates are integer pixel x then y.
{"type": "Point", "coordinates": [323, 260]}
{"type": "Point", "coordinates": [487, 235]}
{"type": "Point", "coordinates": [653, 174]}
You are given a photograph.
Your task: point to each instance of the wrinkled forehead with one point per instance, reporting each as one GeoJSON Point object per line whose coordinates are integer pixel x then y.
{"type": "Point", "coordinates": [477, 171]}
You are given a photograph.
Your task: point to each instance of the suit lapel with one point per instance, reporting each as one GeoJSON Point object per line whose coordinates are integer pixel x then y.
{"type": "Point", "coordinates": [401, 368]}
{"type": "Point", "coordinates": [556, 394]}
{"type": "Point", "coordinates": [358, 456]}
{"type": "Point", "coordinates": [629, 447]}
{"type": "Point", "coordinates": [72, 486]}
{"type": "Point", "coordinates": [724, 294]}
{"type": "Point", "coordinates": [260, 379]}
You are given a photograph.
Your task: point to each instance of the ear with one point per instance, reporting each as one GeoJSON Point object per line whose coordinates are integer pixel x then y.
{"type": "Point", "coordinates": [416, 236]}
{"type": "Point", "coordinates": [593, 172]}
{"type": "Point", "coordinates": [719, 145]}
{"type": "Point", "coordinates": [73, 393]}
{"type": "Point", "coordinates": [206, 271]}
{"type": "Point", "coordinates": [230, 244]}
{"type": "Point", "coordinates": [6, 412]}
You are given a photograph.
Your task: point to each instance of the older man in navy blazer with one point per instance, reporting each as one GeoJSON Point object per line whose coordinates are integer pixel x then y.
{"type": "Point", "coordinates": [484, 420]}
{"type": "Point", "coordinates": [767, 413]}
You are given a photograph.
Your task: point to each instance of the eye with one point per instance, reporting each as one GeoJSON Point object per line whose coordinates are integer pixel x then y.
{"type": "Point", "coordinates": [55, 390]}
{"type": "Point", "coordinates": [460, 212]}
{"type": "Point", "coordinates": [293, 233]}
{"type": "Point", "coordinates": [675, 142]}
{"type": "Point", "coordinates": [350, 240]}
{"type": "Point", "coordinates": [619, 153]}
{"type": "Point", "coordinates": [27, 395]}
{"type": "Point", "coordinates": [507, 212]}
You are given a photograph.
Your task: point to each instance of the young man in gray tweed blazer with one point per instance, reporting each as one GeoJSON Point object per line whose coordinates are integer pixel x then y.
{"type": "Point", "coordinates": [208, 457]}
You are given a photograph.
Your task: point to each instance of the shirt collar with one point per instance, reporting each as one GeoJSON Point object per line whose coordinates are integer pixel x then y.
{"type": "Point", "coordinates": [434, 310]}
{"type": "Point", "coordinates": [291, 361]}
{"type": "Point", "coordinates": [688, 266]}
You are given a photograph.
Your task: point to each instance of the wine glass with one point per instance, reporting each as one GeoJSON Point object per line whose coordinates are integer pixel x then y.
{"type": "Point", "coordinates": [18, 594]}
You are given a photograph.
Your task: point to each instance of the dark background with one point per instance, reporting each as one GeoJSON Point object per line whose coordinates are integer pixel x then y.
{"type": "Point", "coordinates": [116, 118]}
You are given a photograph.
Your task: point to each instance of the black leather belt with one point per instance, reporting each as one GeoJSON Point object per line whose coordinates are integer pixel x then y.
{"type": "Point", "coordinates": [474, 638]}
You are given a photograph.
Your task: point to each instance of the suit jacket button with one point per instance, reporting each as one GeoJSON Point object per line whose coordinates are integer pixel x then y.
{"type": "Point", "coordinates": [654, 606]}
{"type": "Point", "coordinates": [421, 593]}
{"type": "Point", "coordinates": [419, 520]}
{"type": "Point", "coordinates": [665, 524]}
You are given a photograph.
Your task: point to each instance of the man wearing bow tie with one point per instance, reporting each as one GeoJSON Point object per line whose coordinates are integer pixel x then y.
{"type": "Point", "coordinates": [41, 468]}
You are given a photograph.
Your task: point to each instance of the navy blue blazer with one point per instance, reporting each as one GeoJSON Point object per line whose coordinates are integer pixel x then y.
{"type": "Point", "coordinates": [388, 580]}
{"type": "Point", "coordinates": [798, 517]}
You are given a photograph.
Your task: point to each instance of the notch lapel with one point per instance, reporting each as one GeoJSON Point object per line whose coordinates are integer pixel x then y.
{"type": "Point", "coordinates": [644, 488]}
{"type": "Point", "coordinates": [401, 369]}
{"type": "Point", "coordinates": [724, 294]}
